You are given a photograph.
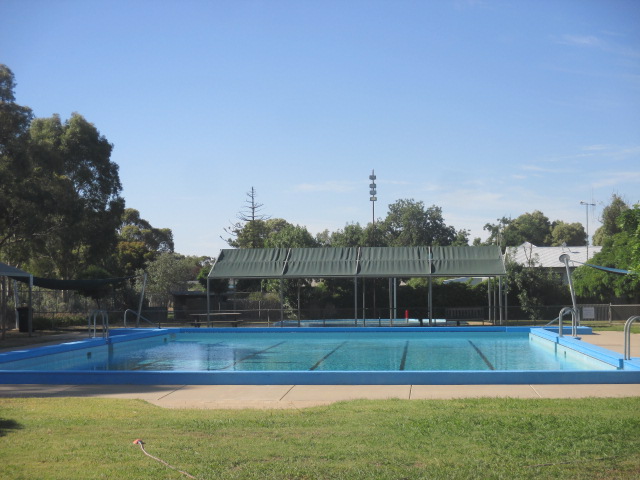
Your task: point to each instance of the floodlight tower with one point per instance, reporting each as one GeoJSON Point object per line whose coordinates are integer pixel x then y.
{"type": "Point", "coordinates": [373, 198]}
{"type": "Point", "coordinates": [587, 204]}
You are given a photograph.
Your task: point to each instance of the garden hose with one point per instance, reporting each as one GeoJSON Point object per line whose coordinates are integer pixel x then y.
{"type": "Point", "coordinates": [138, 441]}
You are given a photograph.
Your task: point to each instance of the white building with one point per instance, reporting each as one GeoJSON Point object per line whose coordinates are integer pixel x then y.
{"type": "Point", "coordinates": [549, 257]}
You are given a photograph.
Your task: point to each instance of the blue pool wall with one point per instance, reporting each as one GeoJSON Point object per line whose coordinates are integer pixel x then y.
{"type": "Point", "coordinates": [628, 371]}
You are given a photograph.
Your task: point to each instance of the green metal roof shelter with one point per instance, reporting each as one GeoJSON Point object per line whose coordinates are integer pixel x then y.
{"type": "Point", "coordinates": [359, 262]}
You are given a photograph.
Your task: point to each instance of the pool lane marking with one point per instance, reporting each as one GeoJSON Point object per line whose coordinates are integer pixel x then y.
{"type": "Point", "coordinates": [485, 359]}
{"type": "Point", "coordinates": [254, 354]}
{"type": "Point", "coordinates": [319, 362]}
{"type": "Point", "coordinates": [404, 355]}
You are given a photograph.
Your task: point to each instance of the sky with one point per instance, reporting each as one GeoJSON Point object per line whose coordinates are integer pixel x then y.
{"type": "Point", "coordinates": [485, 108]}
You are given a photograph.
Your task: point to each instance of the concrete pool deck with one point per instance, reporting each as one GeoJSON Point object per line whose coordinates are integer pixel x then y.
{"type": "Point", "coordinates": [301, 396]}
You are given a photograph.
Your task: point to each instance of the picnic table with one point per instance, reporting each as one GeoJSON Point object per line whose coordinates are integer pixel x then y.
{"type": "Point", "coordinates": [215, 317]}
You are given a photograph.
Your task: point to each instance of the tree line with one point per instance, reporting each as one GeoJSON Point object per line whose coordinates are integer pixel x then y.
{"type": "Point", "coordinates": [62, 214]}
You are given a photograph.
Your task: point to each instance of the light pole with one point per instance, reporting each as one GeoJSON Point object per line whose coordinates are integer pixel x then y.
{"type": "Point", "coordinates": [587, 204]}
{"type": "Point", "coordinates": [372, 192]}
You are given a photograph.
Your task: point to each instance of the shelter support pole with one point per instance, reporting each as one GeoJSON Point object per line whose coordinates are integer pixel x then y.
{"type": "Point", "coordinates": [430, 301]}
{"type": "Point", "coordinates": [364, 308]}
{"type": "Point", "coordinates": [281, 300]}
{"type": "Point", "coordinates": [390, 301]}
{"type": "Point", "coordinates": [208, 302]}
{"type": "Point", "coordinates": [489, 299]}
{"type": "Point", "coordinates": [298, 302]}
{"type": "Point", "coordinates": [495, 299]}
{"type": "Point", "coordinates": [395, 298]}
{"type": "Point", "coordinates": [500, 299]}
{"type": "Point", "coordinates": [355, 300]}
{"type": "Point", "coordinates": [506, 303]}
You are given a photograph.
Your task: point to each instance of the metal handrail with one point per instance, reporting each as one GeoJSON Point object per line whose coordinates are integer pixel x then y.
{"type": "Point", "coordinates": [128, 310]}
{"type": "Point", "coordinates": [627, 336]}
{"type": "Point", "coordinates": [574, 321]}
{"type": "Point", "coordinates": [105, 322]}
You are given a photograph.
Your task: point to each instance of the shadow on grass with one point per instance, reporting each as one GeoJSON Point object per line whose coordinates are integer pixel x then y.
{"type": "Point", "coordinates": [8, 425]}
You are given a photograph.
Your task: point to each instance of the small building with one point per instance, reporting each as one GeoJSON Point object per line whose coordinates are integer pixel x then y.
{"type": "Point", "coordinates": [549, 257]}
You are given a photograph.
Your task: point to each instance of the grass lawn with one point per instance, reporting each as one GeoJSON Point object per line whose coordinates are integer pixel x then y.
{"type": "Point", "coordinates": [68, 438]}
{"type": "Point", "coordinates": [614, 327]}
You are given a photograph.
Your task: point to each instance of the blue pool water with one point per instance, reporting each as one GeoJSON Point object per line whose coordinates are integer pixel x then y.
{"type": "Point", "coordinates": [324, 351]}
{"type": "Point", "coordinates": [437, 355]}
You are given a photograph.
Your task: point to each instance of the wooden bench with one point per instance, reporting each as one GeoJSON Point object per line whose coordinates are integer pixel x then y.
{"type": "Point", "coordinates": [467, 314]}
{"type": "Point", "coordinates": [215, 317]}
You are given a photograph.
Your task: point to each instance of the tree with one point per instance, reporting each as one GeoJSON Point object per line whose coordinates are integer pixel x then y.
{"type": "Point", "coordinates": [139, 242]}
{"type": "Point", "coordinates": [535, 287]}
{"type": "Point", "coordinates": [609, 219]}
{"type": "Point", "coordinates": [82, 193]}
{"type": "Point", "coordinates": [352, 235]}
{"type": "Point", "coordinates": [496, 232]}
{"type": "Point", "coordinates": [629, 221]}
{"type": "Point", "coordinates": [536, 229]}
{"type": "Point", "coordinates": [19, 209]}
{"type": "Point", "coordinates": [249, 231]}
{"type": "Point", "coordinates": [603, 286]}
{"type": "Point", "coordinates": [620, 250]}
{"type": "Point", "coordinates": [533, 227]}
{"type": "Point", "coordinates": [169, 272]}
{"type": "Point", "coordinates": [408, 224]}
{"type": "Point", "coordinates": [572, 234]}
{"type": "Point", "coordinates": [291, 236]}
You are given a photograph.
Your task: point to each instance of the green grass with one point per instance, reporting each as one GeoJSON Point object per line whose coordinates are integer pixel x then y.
{"type": "Point", "coordinates": [615, 327]}
{"type": "Point", "coordinates": [85, 439]}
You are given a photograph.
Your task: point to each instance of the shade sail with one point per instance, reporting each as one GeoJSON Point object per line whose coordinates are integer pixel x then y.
{"type": "Point", "coordinates": [467, 261]}
{"type": "Point", "coordinates": [389, 262]}
{"type": "Point", "coordinates": [380, 262]}
{"type": "Point", "coordinates": [322, 262]}
{"type": "Point", "coordinates": [54, 284]}
{"type": "Point", "coordinates": [250, 263]}
{"type": "Point", "coordinates": [13, 272]}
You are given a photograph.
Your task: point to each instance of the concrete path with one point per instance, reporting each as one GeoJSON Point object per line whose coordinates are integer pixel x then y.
{"type": "Point", "coordinates": [300, 396]}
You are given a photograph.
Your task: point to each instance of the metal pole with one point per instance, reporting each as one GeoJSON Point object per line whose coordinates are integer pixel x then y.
{"type": "Point", "coordinates": [372, 198]}
{"type": "Point", "coordinates": [565, 259]}
{"type": "Point", "coordinates": [16, 302]}
{"type": "Point", "coordinates": [208, 304]}
{"type": "Point", "coordinates": [430, 302]}
{"type": "Point", "coordinates": [587, 204]}
{"type": "Point", "coordinates": [355, 300]}
{"type": "Point", "coordinates": [489, 299]}
{"type": "Point", "coordinates": [144, 285]}
{"type": "Point", "coordinates": [364, 309]}
{"type": "Point", "coordinates": [500, 298]}
{"type": "Point", "coordinates": [298, 302]}
{"type": "Point", "coordinates": [390, 301]}
{"type": "Point", "coordinates": [395, 298]}
{"type": "Point", "coordinates": [506, 306]}
{"type": "Point", "coordinates": [281, 301]}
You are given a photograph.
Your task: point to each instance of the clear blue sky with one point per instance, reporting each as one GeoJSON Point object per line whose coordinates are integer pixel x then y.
{"type": "Point", "coordinates": [484, 108]}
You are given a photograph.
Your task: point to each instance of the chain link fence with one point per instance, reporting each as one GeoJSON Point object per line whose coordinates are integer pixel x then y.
{"type": "Point", "coordinates": [54, 309]}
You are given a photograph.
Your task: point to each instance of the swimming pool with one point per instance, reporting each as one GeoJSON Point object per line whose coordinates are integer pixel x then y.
{"type": "Point", "coordinates": [439, 355]}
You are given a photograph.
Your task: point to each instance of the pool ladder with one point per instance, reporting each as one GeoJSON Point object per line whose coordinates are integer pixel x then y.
{"type": "Point", "coordinates": [105, 322]}
{"type": "Point", "coordinates": [627, 336]}
{"type": "Point", "coordinates": [575, 320]}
